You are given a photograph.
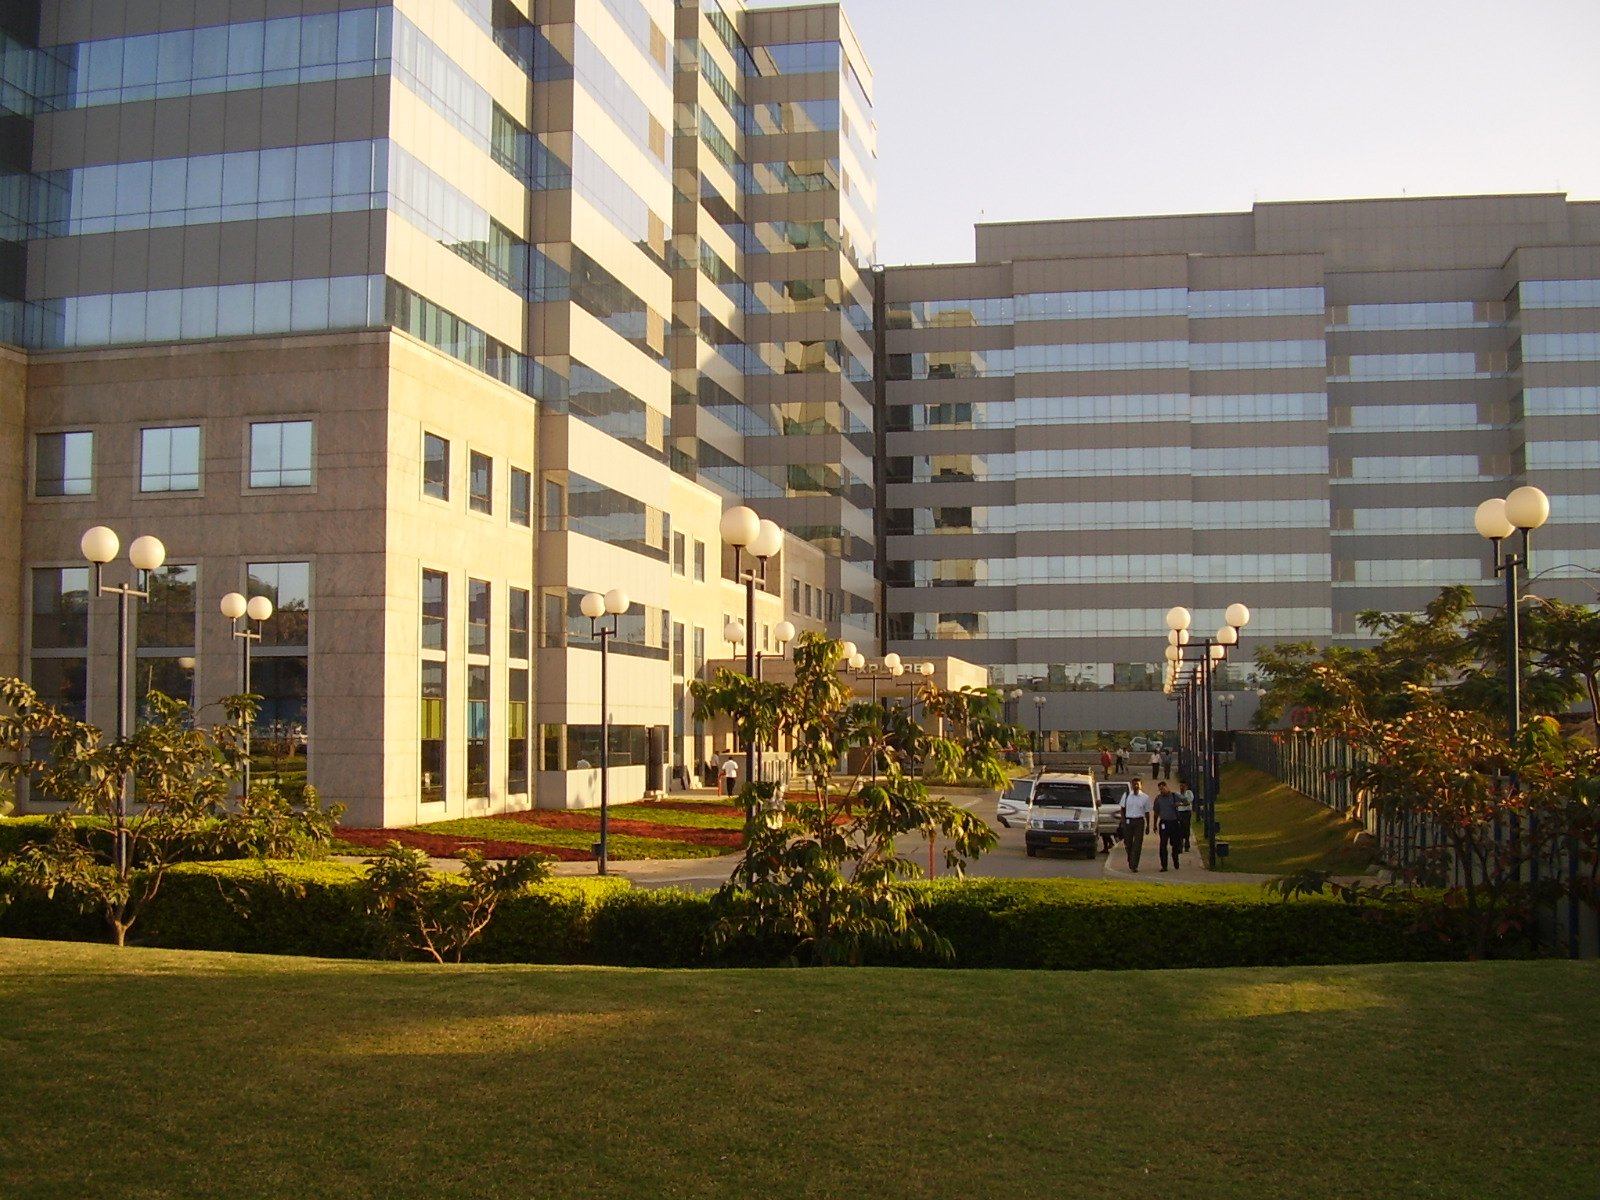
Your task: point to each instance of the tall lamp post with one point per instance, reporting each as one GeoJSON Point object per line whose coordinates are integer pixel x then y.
{"type": "Point", "coordinates": [257, 609]}
{"type": "Point", "coordinates": [1524, 510]}
{"type": "Point", "coordinates": [889, 668]}
{"type": "Point", "coordinates": [594, 606]}
{"type": "Point", "coordinates": [100, 545]}
{"type": "Point", "coordinates": [742, 529]}
{"type": "Point", "coordinates": [1206, 654]}
{"type": "Point", "coordinates": [1226, 700]}
{"type": "Point", "coordinates": [1038, 720]}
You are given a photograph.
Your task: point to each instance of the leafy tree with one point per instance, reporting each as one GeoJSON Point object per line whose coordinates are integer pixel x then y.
{"type": "Point", "coordinates": [440, 917]}
{"type": "Point", "coordinates": [181, 773]}
{"type": "Point", "coordinates": [825, 877]}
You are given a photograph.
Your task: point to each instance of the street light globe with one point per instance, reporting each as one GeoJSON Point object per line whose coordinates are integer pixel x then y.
{"type": "Point", "coordinates": [1228, 635]}
{"type": "Point", "coordinates": [259, 608]}
{"type": "Point", "coordinates": [1527, 508]}
{"type": "Point", "coordinates": [768, 540]}
{"type": "Point", "coordinates": [1016, 693]}
{"type": "Point", "coordinates": [857, 661]}
{"type": "Point", "coordinates": [99, 545]}
{"type": "Point", "coordinates": [593, 605]}
{"type": "Point", "coordinates": [147, 553]}
{"type": "Point", "coordinates": [186, 663]}
{"type": "Point", "coordinates": [925, 668]}
{"type": "Point", "coordinates": [1173, 654]}
{"type": "Point", "coordinates": [891, 660]}
{"type": "Point", "coordinates": [733, 632]}
{"type": "Point", "coordinates": [616, 602]}
{"type": "Point", "coordinates": [1039, 701]}
{"type": "Point", "coordinates": [1178, 618]}
{"type": "Point", "coordinates": [848, 649]}
{"type": "Point", "coordinates": [1491, 521]}
{"type": "Point", "coordinates": [739, 526]}
{"type": "Point", "coordinates": [233, 606]}
{"type": "Point", "coordinates": [784, 632]}
{"type": "Point", "coordinates": [897, 670]}
{"type": "Point", "coordinates": [1218, 653]}
{"type": "Point", "coordinates": [1237, 615]}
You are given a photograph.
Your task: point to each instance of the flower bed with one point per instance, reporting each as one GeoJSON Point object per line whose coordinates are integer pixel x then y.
{"type": "Point", "coordinates": [443, 845]}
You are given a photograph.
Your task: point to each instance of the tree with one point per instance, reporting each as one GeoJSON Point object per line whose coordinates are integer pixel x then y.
{"type": "Point", "coordinates": [824, 877]}
{"type": "Point", "coordinates": [441, 917]}
{"type": "Point", "coordinates": [182, 774]}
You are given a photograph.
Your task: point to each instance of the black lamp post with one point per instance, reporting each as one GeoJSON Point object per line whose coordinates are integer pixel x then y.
{"type": "Point", "coordinates": [1205, 654]}
{"type": "Point", "coordinates": [742, 529]}
{"type": "Point", "coordinates": [1038, 711]}
{"type": "Point", "coordinates": [1226, 700]}
{"type": "Point", "coordinates": [594, 606]}
{"type": "Point", "coordinates": [1524, 510]}
{"type": "Point", "coordinates": [890, 668]}
{"type": "Point", "coordinates": [783, 633]}
{"type": "Point", "coordinates": [257, 609]}
{"type": "Point", "coordinates": [100, 545]}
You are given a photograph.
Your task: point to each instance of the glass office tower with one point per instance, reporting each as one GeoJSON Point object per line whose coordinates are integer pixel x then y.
{"type": "Point", "coordinates": [1298, 408]}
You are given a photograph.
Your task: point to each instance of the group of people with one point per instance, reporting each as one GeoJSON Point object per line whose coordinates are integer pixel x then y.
{"type": "Point", "coordinates": [1116, 761]}
{"type": "Point", "coordinates": [1171, 813]}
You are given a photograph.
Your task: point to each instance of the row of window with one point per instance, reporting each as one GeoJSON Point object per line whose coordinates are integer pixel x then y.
{"type": "Point", "coordinates": [1560, 401]}
{"type": "Point", "coordinates": [1559, 347]}
{"type": "Point", "coordinates": [1110, 513]}
{"type": "Point", "coordinates": [1270, 622]}
{"type": "Point", "coordinates": [1118, 568]}
{"type": "Point", "coordinates": [1417, 468]}
{"type": "Point", "coordinates": [1110, 460]}
{"type": "Point", "coordinates": [1111, 410]}
{"type": "Point", "coordinates": [170, 459]}
{"type": "Point", "coordinates": [1236, 674]}
{"type": "Point", "coordinates": [436, 481]}
{"type": "Point", "coordinates": [1375, 417]}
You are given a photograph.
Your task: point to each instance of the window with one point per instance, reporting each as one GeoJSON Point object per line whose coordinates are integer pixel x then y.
{"type": "Point", "coordinates": [63, 464]}
{"type": "Point", "coordinates": [480, 482]}
{"type": "Point", "coordinates": [555, 619]}
{"type": "Point", "coordinates": [680, 553]}
{"type": "Point", "coordinates": [517, 622]}
{"type": "Point", "coordinates": [435, 466]}
{"type": "Point", "coordinates": [521, 497]}
{"type": "Point", "coordinates": [478, 605]}
{"type": "Point", "coordinates": [169, 459]}
{"type": "Point", "coordinates": [288, 586]}
{"type": "Point", "coordinates": [794, 599]}
{"type": "Point", "coordinates": [435, 609]}
{"type": "Point", "coordinates": [679, 646]}
{"type": "Point", "coordinates": [517, 731]}
{"type": "Point", "coordinates": [280, 672]}
{"type": "Point", "coordinates": [60, 608]}
{"type": "Point", "coordinates": [280, 454]}
{"type": "Point", "coordinates": [555, 505]}
{"type": "Point", "coordinates": [477, 731]}
{"type": "Point", "coordinates": [700, 562]}
{"type": "Point", "coordinates": [431, 729]}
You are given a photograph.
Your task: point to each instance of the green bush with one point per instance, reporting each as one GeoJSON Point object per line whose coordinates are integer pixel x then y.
{"type": "Point", "coordinates": [317, 909]}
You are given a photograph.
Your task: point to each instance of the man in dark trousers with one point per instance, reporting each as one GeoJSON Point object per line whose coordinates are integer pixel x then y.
{"type": "Point", "coordinates": [1169, 824]}
{"type": "Point", "coordinates": [1185, 810]}
{"type": "Point", "coordinates": [1135, 811]}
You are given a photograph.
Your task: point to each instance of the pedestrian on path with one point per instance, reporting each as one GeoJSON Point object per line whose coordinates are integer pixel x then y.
{"type": "Point", "coordinates": [1186, 810]}
{"type": "Point", "coordinates": [1155, 765]}
{"type": "Point", "coordinates": [1105, 763]}
{"type": "Point", "coordinates": [730, 775]}
{"type": "Point", "coordinates": [1122, 760]}
{"type": "Point", "coordinates": [1166, 764]}
{"type": "Point", "coordinates": [1169, 824]}
{"type": "Point", "coordinates": [1135, 811]}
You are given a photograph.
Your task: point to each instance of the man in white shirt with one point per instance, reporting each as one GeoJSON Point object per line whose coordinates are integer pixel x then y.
{"type": "Point", "coordinates": [730, 775]}
{"type": "Point", "coordinates": [1135, 811]}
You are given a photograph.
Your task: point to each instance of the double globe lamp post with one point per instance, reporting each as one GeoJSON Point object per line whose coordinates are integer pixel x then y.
{"type": "Point", "coordinates": [748, 533]}
{"type": "Point", "coordinates": [783, 633]}
{"type": "Point", "coordinates": [1523, 511]}
{"type": "Point", "coordinates": [257, 609]}
{"type": "Point", "coordinates": [100, 546]}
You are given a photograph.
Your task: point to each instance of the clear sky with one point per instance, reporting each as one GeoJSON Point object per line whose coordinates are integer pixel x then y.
{"type": "Point", "coordinates": [1004, 110]}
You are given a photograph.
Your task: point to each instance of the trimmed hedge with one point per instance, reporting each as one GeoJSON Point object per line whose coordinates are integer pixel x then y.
{"type": "Point", "coordinates": [316, 909]}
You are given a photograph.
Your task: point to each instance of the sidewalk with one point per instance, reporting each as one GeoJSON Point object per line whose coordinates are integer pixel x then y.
{"type": "Point", "coordinates": [1193, 870]}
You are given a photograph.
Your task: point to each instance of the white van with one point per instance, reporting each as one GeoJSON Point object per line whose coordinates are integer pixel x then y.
{"type": "Point", "coordinates": [1063, 814]}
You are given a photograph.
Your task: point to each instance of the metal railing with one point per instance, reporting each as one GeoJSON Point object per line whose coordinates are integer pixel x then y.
{"type": "Point", "coordinates": [1318, 767]}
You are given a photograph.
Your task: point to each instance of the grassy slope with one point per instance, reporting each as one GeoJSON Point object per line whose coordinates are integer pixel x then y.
{"type": "Point", "coordinates": [1273, 829]}
{"type": "Point", "coordinates": [151, 1073]}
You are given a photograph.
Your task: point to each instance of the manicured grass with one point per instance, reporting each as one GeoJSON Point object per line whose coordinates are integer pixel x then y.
{"type": "Point", "coordinates": [1272, 829]}
{"type": "Point", "coordinates": [155, 1073]}
{"type": "Point", "coordinates": [618, 845]}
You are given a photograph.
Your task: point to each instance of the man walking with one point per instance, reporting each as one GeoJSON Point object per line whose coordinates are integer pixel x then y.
{"type": "Point", "coordinates": [1105, 763]}
{"type": "Point", "coordinates": [730, 775]}
{"type": "Point", "coordinates": [1185, 810]}
{"type": "Point", "coordinates": [1135, 810]}
{"type": "Point", "coordinates": [1166, 764]}
{"type": "Point", "coordinates": [1169, 824]}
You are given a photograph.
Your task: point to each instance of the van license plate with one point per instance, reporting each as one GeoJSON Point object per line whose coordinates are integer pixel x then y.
{"type": "Point", "coordinates": [1062, 840]}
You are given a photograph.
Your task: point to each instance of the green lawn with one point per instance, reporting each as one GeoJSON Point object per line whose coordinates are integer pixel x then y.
{"type": "Point", "coordinates": [1272, 829]}
{"type": "Point", "coordinates": [161, 1074]}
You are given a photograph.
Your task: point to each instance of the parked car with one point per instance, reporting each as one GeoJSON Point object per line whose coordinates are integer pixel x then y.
{"type": "Point", "coordinates": [1112, 792]}
{"type": "Point", "coordinates": [1014, 801]}
{"type": "Point", "coordinates": [1064, 814]}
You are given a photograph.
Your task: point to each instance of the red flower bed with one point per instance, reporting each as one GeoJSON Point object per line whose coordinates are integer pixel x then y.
{"type": "Point", "coordinates": [440, 845]}
{"type": "Point", "coordinates": [693, 806]}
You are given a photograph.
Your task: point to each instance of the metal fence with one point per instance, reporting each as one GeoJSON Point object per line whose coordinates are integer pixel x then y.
{"type": "Point", "coordinates": [1318, 767]}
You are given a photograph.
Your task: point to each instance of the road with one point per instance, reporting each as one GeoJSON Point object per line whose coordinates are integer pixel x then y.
{"type": "Point", "coordinates": [1008, 860]}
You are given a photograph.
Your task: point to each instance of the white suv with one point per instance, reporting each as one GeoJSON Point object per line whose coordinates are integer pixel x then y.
{"type": "Point", "coordinates": [1064, 814]}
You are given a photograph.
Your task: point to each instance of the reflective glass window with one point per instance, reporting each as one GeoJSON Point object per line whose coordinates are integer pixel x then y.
{"type": "Point", "coordinates": [169, 459]}
{"type": "Point", "coordinates": [280, 454]}
{"type": "Point", "coordinates": [63, 464]}
{"type": "Point", "coordinates": [435, 466]}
